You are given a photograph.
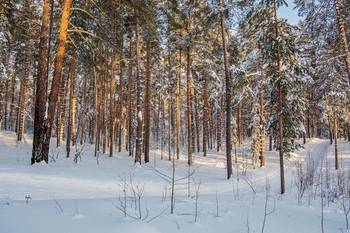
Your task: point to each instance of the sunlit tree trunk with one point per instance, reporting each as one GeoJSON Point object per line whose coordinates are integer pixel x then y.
{"type": "Point", "coordinates": [42, 143]}
{"type": "Point", "coordinates": [70, 128]}
{"type": "Point", "coordinates": [39, 152]}
{"type": "Point", "coordinates": [62, 100]}
{"type": "Point", "coordinates": [83, 109]}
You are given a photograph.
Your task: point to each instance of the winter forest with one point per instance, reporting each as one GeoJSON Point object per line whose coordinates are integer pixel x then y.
{"type": "Point", "coordinates": [174, 116]}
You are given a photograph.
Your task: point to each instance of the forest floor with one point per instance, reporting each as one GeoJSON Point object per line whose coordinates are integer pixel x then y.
{"type": "Point", "coordinates": [94, 194]}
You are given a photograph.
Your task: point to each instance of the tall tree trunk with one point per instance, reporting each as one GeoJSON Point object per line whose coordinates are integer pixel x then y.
{"type": "Point", "coordinates": [262, 121]}
{"type": "Point", "coordinates": [271, 128]}
{"type": "Point", "coordinates": [189, 119]}
{"type": "Point", "coordinates": [219, 122]}
{"type": "Point", "coordinates": [43, 153]}
{"type": "Point", "coordinates": [138, 92]}
{"type": "Point", "coordinates": [7, 86]}
{"type": "Point", "coordinates": [205, 116]}
{"type": "Point", "coordinates": [70, 128]}
{"type": "Point", "coordinates": [24, 83]}
{"type": "Point", "coordinates": [83, 109]}
{"type": "Point", "coordinates": [120, 100]}
{"type": "Point", "coordinates": [335, 125]}
{"type": "Point", "coordinates": [39, 152]}
{"type": "Point", "coordinates": [147, 101]}
{"type": "Point", "coordinates": [280, 101]}
{"type": "Point", "coordinates": [342, 32]}
{"type": "Point", "coordinates": [211, 137]}
{"type": "Point", "coordinates": [329, 124]}
{"type": "Point", "coordinates": [239, 124]}
{"type": "Point", "coordinates": [178, 103]}
{"type": "Point", "coordinates": [162, 128]}
{"type": "Point", "coordinates": [227, 94]}
{"type": "Point", "coordinates": [103, 112]}
{"type": "Point", "coordinates": [197, 118]}
{"type": "Point", "coordinates": [62, 109]}
{"type": "Point", "coordinates": [111, 106]}
{"type": "Point", "coordinates": [11, 118]}
{"type": "Point", "coordinates": [96, 112]}
{"type": "Point", "coordinates": [130, 110]}
{"type": "Point", "coordinates": [170, 107]}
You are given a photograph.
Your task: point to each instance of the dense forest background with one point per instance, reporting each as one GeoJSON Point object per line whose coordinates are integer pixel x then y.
{"type": "Point", "coordinates": [179, 76]}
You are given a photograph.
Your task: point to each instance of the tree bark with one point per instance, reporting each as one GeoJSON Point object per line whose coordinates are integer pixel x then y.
{"type": "Point", "coordinates": [24, 83]}
{"type": "Point", "coordinates": [120, 100]}
{"type": "Point", "coordinates": [138, 92]}
{"type": "Point", "coordinates": [130, 101]}
{"type": "Point", "coordinates": [42, 152]}
{"type": "Point", "coordinates": [111, 107]}
{"type": "Point", "coordinates": [197, 119]}
{"type": "Point", "coordinates": [83, 109]}
{"type": "Point", "coordinates": [227, 94]}
{"type": "Point", "coordinates": [147, 101]}
{"type": "Point", "coordinates": [70, 128]}
{"type": "Point", "coordinates": [335, 125]}
{"type": "Point", "coordinates": [189, 119]}
{"type": "Point", "coordinates": [262, 121]}
{"type": "Point", "coordinates": [280, 101]}
{"type": "Point", "coordinates": [39, 152]}
{"type": "Point", "coordinates": [178, 104]}
{"type": "Point", "coordinates": [205, 116]}
{"type": "Point", "coordinates": [62, 109]}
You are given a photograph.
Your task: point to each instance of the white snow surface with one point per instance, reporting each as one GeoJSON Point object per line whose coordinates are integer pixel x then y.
{"type": "Point", "coordinates": [84, 197]}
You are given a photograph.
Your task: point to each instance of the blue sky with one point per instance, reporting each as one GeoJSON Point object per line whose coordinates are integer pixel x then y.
{"type": "Point", "coordinates": [289, 13]}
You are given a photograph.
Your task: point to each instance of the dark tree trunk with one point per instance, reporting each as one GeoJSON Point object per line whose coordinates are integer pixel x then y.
{"type": "Point", "coordinates": [111, 107]}
{"type": "Point", "coordinates": [120, 100]}
{"type": "Point", "coordinates": [335, 125]}
{"type": "Point", "coordinates": [178, 104]}
{"type": "Point", "coordinates": [130, 110]}
{"type": "Point", "coordinates": [228, 97]}
{"type": "Point", "coordinates": [147, 101]}
{"type": "Point", "coordinates": [197, 119]}
{"type": "Point", "coordinates": [39, 152]}
{"type": "Point", "coordinates": [83, 109]}
{"type": "Point", "coordinates": [280, 103]}
{"type": "Point", "coordinates": [205, 116]}
{"type": "Point", "coordinates": [189, 125]}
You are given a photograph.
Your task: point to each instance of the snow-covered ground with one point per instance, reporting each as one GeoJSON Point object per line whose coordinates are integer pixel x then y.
{"type": "Point", "coordinates": [87, 197]}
